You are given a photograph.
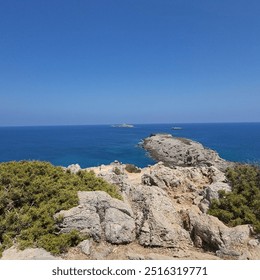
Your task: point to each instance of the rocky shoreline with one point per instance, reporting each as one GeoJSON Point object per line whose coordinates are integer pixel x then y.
{"type": "Point", "coordinates": [175, 151]}
{"type": "Point", "coordinates": [163, 213]}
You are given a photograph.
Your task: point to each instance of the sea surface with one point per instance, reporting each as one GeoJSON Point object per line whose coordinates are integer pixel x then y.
{"type": "Point", "coordinates": [93, 145]}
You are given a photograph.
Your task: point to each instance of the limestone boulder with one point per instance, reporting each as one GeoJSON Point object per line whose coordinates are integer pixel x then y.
{"type": "Point", "coordinates": [157, 221]}
{"type": "Point", "coordinates": [99, 215]}
{"type": "Point", "coordinates": [84, 219]}
{"type": "Point", "coordinates": [119, 227]}
{"type": "Point", "coordinates": [211, 234]}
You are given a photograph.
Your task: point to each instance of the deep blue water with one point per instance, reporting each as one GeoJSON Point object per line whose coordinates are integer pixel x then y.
{"type": "Point", "coordinates": [102, 144]}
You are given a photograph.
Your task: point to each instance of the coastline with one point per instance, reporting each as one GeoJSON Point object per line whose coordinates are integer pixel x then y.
{"type": "Point", "coordinates": [161, 213]}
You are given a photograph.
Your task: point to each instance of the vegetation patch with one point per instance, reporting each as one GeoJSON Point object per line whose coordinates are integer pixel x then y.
{"type": "Point", "coordinates": [242, 205]}
{"type": "Point", "coordinates": [31, 192]}
{"type": "Point", "coordinates": [131, 168]}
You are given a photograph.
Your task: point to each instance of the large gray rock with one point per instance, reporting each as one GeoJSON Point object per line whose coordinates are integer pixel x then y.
{"type": "Point", "coordinates": [119, 227]}
{"type": "Point", "coordinates": [211, 234]}
{"type": "Point", "coordinates": [99, 215]}
{"type": "Point", "coordinates": [157, 221]}
{"type": "Point", "coordinates": [85, 246]}
{"type": "Point", "coordinates": [182, 152]}
{"type": "Point", "coordinates": [84, 219]}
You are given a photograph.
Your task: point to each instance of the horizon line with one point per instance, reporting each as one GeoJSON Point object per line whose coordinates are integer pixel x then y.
{"type": "Point", "coordinates": [109, 124]}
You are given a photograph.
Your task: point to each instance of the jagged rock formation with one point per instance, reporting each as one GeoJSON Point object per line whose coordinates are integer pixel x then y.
{"type": "Point", "coordinates": [208, 232]}
{"type": "Point", "coordinates": [163, 209]}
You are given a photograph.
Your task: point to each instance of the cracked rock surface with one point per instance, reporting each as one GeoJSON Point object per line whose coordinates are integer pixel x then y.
{"type": "Point", "coordinates": [100, 216]}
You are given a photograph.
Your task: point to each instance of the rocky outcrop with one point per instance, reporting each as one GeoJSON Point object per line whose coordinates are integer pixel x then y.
{"type": "Point", "coordinates": [182, 152]}
{"type": "Point", "coordinates": [153, 221]}
{"type": "Point", "coordinates": [186, 178]}
{"type": "Point", "coordinates": [162, 207]}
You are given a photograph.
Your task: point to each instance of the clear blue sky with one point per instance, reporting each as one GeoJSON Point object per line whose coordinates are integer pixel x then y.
{"type": "Point", "coordinates": [134, 61]}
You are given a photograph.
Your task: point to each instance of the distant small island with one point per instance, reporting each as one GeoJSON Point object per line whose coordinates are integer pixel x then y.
{"type": "Point", "coordinates": [123, 125]}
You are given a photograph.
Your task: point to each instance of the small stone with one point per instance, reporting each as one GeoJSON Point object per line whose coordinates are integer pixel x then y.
{"type": "Point", "coordinates": [74, 168]}
{"type": "Point", "coordinates": [197, 200]}
{"type": "Point", "coordinates": [133, 256]}
{"type": "Point", "coordinates": [253, 242]}
{"type": "Point", "coordinates": [85, 246]}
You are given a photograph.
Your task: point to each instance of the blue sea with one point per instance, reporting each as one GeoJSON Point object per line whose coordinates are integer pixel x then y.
{"type": "Point", "coordinates": [92, 145]}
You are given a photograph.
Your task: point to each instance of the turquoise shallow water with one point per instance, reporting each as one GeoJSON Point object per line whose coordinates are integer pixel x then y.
{"type": "Point", "coordinates": [102, 144]}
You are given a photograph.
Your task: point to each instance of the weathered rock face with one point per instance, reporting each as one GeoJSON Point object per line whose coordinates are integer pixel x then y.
{"type": "Point", "coordinates": [210, 233]}
{"type": "Point", "coordinates": [157, 221]}
{"type": "Point", "coordinates": [119, 227]}
{"type": "Point", "coordinates": [153, 220]}
{"type": "Point", "coordinates": [100, 216]}
{"type": "Point", "coordinates": [213, 233]}
{"type": "Point", "coordinates": [185, 178]}
{"type": "Point", "coordinates": [181, 152]}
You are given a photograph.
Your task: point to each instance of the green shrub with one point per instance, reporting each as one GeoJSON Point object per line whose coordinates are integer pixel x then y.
{"type": "Point", "coordinates": [31, 192]}
{"type": "Point", "coordinates": [132, 168]}
{"type": "Point", "coordinates": [242, 205]}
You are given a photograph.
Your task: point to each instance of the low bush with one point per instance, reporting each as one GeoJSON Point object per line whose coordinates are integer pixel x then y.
{"type": "Point", "coordinates": [132, 168]}
{"type": "Point", "coordinates": [31, 192]}
{"type": "Point", "coordinates": [242, 205]}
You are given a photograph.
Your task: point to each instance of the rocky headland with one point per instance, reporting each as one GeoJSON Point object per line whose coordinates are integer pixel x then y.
{"type": "Point", "coordinates": [175, 151]}
{"type": "Point", "coordinates": [163, 211]}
